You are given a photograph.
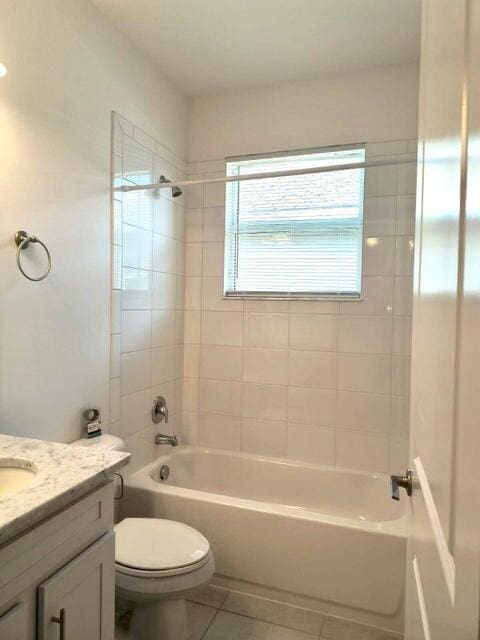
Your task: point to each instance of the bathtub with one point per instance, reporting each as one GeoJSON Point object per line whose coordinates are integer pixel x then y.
{"type": "Point", "coordinates": [321, 537]}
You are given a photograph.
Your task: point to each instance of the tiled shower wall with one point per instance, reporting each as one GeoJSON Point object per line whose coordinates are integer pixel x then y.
{"type": "Point", "coordinates": [318, 381]}
{"type": "Point", "coordinates": [148, 259]}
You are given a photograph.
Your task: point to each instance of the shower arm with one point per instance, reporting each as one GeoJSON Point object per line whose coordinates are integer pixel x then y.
{"type": "Point", "coordinates": [269, 174]}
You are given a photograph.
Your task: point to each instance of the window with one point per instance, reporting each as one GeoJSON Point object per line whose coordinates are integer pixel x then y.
{"type": "Point", "coordinates": [299, 235]}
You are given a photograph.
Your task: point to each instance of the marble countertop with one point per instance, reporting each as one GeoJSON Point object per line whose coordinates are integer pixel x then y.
{"type": "Point", "coordinates": [63, 474]}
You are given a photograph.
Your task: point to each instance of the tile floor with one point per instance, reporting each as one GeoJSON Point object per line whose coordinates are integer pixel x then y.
{"type": "Point", "coordinates": [217, 614]}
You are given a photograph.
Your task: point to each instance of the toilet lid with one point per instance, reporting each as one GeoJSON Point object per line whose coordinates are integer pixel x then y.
{"type": "Point", "coordinates": [152, 544]}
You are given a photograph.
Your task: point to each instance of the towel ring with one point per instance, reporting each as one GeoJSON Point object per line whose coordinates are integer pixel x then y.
{"type": "Point", "coordinates": [23, 240]}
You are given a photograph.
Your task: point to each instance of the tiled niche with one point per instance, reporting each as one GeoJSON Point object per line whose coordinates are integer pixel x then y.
{"type": "Point", "coordinates": [148, 283]}
{"type": "Point", "coordinates": [318, 381]}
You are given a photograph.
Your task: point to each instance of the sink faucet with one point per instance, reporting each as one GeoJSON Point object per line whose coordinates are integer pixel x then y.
{"type": "Point", "coordinates": [161, 438]}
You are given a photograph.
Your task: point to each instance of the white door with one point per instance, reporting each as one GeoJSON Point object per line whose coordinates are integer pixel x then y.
{"type": "Point", "coordinates": [443, 565]}
{"type": "Point", "coordinates": [77, 602]}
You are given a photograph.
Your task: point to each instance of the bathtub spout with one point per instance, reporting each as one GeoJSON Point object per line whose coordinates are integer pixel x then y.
{"type": "Point", "coordinates": [161, 438]}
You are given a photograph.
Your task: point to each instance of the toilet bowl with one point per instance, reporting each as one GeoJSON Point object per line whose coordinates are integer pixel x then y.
{"type": "Point", "coordinates": [157, 564]}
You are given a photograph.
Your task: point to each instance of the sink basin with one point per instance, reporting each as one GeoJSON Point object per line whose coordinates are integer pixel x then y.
{"type": "Point", "coordinates": [15, 475]}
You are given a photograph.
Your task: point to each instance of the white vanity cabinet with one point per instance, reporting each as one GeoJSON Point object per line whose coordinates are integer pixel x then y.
{"type": "Point", "coordinates": [57, 579]}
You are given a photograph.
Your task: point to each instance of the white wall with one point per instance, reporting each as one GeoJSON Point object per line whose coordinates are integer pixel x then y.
{"type": "Point", "coordinates": [68, 68]}
{"type": "Point", "coordinates": [313, 380]}
{"type": "Point", "coordinates": [377, 105]}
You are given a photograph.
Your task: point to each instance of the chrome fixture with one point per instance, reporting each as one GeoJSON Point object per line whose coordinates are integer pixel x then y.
{"type": "Point", "coordinates": [23, 240]}
{"type": "Point", "coordinates": [163, 183]}
{"type": "Point", "coordinates": [401, 481]}
{"type": "Point", "coordinates": [176, 191]}
{"type": "Point", "coordinates": [164, 472]}
{"type": "Point", "coordinates": [161, 438]}
{"type": "Point", "coordinates": [159, 410]}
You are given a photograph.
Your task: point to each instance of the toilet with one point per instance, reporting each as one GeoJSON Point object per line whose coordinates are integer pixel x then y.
{"type": "Point", "coordinates": [157, 564]}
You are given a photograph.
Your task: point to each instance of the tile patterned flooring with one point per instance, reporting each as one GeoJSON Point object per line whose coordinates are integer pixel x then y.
{"type": "Point", "coordinates": [217, 614]}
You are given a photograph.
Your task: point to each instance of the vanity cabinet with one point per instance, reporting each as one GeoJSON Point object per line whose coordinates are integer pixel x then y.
{"type": "Point", "coordinates": [57, 579]}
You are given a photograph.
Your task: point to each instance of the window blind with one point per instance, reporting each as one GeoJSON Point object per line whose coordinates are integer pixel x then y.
{"type": "Point", "coordinates": [299, 235]}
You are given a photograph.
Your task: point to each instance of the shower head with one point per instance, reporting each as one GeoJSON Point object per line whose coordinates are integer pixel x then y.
{"type": "Point", "coordinates": [176, 191]}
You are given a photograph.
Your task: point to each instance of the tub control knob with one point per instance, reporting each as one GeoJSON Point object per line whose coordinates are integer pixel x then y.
{"type": "Point", "coordinates": [401, 481]}
{"type": "Point", "coordinates": [159, 410]}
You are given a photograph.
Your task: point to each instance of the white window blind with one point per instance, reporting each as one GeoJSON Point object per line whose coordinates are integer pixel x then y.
{"type": "Point", "coordinates": [295, 235]}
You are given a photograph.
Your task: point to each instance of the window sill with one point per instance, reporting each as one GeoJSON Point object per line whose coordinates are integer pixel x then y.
{"type": "Point", "coordinates": [313, 297]}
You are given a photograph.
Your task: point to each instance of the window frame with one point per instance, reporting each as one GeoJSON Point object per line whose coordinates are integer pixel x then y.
{"type": "Point", "coordinates": [294, 295]}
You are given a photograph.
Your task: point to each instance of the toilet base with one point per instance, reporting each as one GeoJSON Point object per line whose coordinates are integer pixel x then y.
{"type": "Point", "coordinates": [160, 620]}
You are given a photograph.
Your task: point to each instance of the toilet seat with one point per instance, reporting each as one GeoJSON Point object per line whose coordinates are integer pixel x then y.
{"type": "Point", "coordinates": [156, 548]}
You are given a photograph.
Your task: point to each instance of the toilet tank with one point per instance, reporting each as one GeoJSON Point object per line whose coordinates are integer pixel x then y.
{"type": "Point", "coordinates": [105, 442]}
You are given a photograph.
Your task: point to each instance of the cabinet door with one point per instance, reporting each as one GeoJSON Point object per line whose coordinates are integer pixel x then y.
{"type": "Point", "coordinates": [13, 623]}
{"type": "Point", "coordinates": [78, 601]}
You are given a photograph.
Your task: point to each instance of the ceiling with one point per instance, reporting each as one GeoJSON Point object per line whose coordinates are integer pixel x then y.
{"type": "Point", "coordinates": [209, 46]}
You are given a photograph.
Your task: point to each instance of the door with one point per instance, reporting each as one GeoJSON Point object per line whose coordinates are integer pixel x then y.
{"type": "Point", "coordinates": [77, 602]}
{"type": "Point", "coordinates": [443, 564]}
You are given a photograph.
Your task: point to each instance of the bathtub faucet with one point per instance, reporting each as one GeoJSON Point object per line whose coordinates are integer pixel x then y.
{"type": "Point", "coordinates": [161, 438]}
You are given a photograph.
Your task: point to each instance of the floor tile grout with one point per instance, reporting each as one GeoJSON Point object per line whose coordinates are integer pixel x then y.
{"type": "Point", "coordinates": [209, 624]}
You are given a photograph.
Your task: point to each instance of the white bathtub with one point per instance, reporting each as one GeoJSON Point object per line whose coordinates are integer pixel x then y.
{"type": "Point", "coordinates": [322, 537]}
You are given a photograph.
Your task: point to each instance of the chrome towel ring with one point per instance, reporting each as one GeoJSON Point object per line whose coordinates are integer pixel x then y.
{"type": "Point", "coordinates": [23, 240]}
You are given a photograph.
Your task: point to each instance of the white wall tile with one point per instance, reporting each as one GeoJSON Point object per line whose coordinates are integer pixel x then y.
{"type": "Point", "coordinates": [163, 327]}
{"type": "Point", "coordinates": [135, 412]}
{"type": "Point", "coordinates": [402, 335]}
{"type": "Point", "coordinates": [193, 259]}
{"type": "Point", "coordinates": [136, 330]}
{"type": "Point", "coordinates": [135, 371]}
{"type": "Point", "coordinates": [212, 259]}
{"type": "Point", "coordinates": [381, 181]}
{"type": "Point", "coordinates": [314, 306]}
{"type": "Point", "coordinates": [194, 225]}
{"type": "Point", "coordinates": [212, 296]}
{"type": "Point", "coordinates": [114, 400]}
{"type": "Point", "coordinates": [137, 248]}
{"type": "Point", "coordinates": [264, 401]}
{"type": "Point", "coordinates": [213, 224]}
{"type": "Point", "coordinates": [364, 372]}
{"type": "Point", "coordinates": [311, 444]}
{"type": "Point", "coordinates": [187, 428]}
{"type": "Point", "coordinates": [164, 254]}
{"type": "Point", "coordinates": [404, 249]}
{"type": "Point", "coordinates": [181, 258]}
{"type": "Point", "coordinates": [191, 360]}
{"type": "Point", "coordinates": [363, 411]}
{"type": "Point", "coordinates": [221, 363]}
{"type": "Point", "coordinates": [403, 295]}
{"type": "Point", "coordinates": [401, 375]}
{"type": "Point", "coordinates": [377, 298]}
{"type": "Point", "coordinates": [400, 416]}
{"type": "Point", "coordinates": [136, 288]}
{"type": "Point", "coordinates": [164, 364]}
{"type": "Point", "coordinates": [115, 342]}
{"type": "Point", "coordinates": [163, 290]}
{"type": "Point", "coordinates": [314, 331]}
{"type": "Point", "coordinates": [390, 147]}
{"type": "Point", "coordinates": [405, 217]}
{"type": "Point", "coordinates": [378, 256]}
{"type": "Point", "coordinates": [190, 394]}
{"type": "Point", "coordinates": [313, 369]}
{"type": "Point", "coordinates": [265, 366]}
{"type": "Point", "coordinates": [267, 330]}
{"type": "Point", "coordinates": [214, 194]}
{"type": "Point", "coordinates": [222, 328]}
{"type": "Point", "coordinates": [116, 312]}
{"type": "Point", "coordinates": [398, 455]}
{"type": "Point", "coordinates": [220, 397]}
{"type": "Point", "coordinates": [407, 178]}
{"type": "Point", "coordinates": [365, 451]}
{"type": "Point", "coordinates": [265, 437]}
{"type": "Point", "coordinates": [193, 292]}
{"type": "Point", "coordinates": [365, 334]}
{"type": "Point", "coordinates": [312, 406]}
{"type": "Point", "coordinates": [379, 216]}
{"type": "Point", "coordinates": [192, 326]}
{"type": "Point", "coordinates": [219, 432]}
